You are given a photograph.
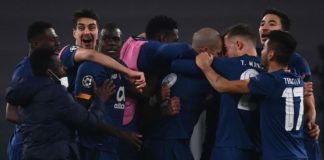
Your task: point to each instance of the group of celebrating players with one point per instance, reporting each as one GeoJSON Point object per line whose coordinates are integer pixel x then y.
{"type": "Point", "coordinates": [91, 101]}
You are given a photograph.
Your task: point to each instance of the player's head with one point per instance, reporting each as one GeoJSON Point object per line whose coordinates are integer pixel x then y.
{"type": "Point", "coordinates": [238, 39]}
{"type": "Point", "coordinates": [44, 62]}
{"type": "Point", "coordinates": [273, 19]}
{"type": "Point", "coordinates": [163, 29]}
{"type": "Point", "coordinates": [207, 40]}
{"type": "Point", "coordinates": [110, 40]}
{"type": "Point", "coordinates": [85, 28]}
{"type": "Point", "coordinates": [42, 34]}
{"type": "Point", "coordinates": [279, 48]}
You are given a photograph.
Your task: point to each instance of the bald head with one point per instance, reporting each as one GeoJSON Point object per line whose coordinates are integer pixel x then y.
{"type": "Point", "coordinates": [207, 39]}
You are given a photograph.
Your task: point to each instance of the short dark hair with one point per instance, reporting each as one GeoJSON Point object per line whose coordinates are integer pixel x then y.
{"type": "Point", "coordinates": [84, 13]}
{"type": "Point", "coordinates": [110, 26]}
{"type": "Point", "coordinates": [41, 60]}
{"type": "Point", "coordinates": [284, 19]}
{"type": "Point", "coordinates": [160, 25]}
{"type": "Point", "coordinates": [283, 44]}
{"type": "Point", "coordinates": [37, 28]}
{"type": "Point", "coordinates": [243, 30]}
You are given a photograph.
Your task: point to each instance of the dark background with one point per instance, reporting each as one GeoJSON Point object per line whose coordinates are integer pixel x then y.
{"type": "Point", "coordinates": [15, 16]}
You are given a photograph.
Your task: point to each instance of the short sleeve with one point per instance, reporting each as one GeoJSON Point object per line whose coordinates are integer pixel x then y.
{"type": "Point", "coordinates": [66, 56]}
{"type": "Point", "coordinates": [262, 84]}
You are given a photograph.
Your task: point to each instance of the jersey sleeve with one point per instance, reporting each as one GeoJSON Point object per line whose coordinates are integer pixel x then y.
{"type": "Point", "coordinates": [85, 78]}
{"type": "Point", "coordinates": [186, 67]}
{"type": "Point", "coordinates": [305, 71]}
{"type": "Point", "coordinates": [262, 84]}
{"type": "Point", "coordinates": [66, 56]}
{"type": "Point", "coordinates": [173, 51]}
{"type": "Point", "coordinates": [72, 113]}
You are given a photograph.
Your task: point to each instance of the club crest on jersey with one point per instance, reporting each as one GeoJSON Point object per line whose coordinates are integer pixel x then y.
{"type": "Point", "coordinates": [170, 79]}
{"type": "Point", "coordinates": [73, 48]}
{"type": "Point", "coordinates": [87, 81]}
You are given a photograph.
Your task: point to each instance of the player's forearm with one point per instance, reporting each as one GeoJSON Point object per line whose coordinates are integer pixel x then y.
{"type": "Point", "coordinates": [109, 62]}
{"type": "Point", "coordinates": [310, 110]}
{"type": "Point", "coordinates": [222, 85]}
{"type": "Point", "coordinates": [92, 55]}
{"type": "Point", "coordinates": [216, 80]}
{"type": "Point", "coordinates": [12, 114]}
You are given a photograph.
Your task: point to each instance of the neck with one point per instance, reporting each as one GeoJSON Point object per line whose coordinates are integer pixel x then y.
{"type": "Point", "coordinates": [273, 66]}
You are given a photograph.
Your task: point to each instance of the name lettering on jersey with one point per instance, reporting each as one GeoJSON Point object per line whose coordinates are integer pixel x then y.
{"type": "Point", "coordinates": [251, 64]}
{"type": "Point", "coordinates": [292, 81]}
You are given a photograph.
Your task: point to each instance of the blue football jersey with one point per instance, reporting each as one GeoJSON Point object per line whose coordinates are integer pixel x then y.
{"type": "Point", "coordinates": [238, 115]}
{"type": "Point", "coordinates": [114, 106]}
{"type": "Point", "coordinates": [155, 55]}
{"type": "Point", "coordinates": [301, 67]}
{"type": "Point", "coordinates": [66, 56]}
{"type": "Point", "coordinates": [23, 69]}
{"type": "Point", "coordinates": [281, 114]}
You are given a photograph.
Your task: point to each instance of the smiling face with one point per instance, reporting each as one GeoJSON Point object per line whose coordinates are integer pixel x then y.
{"type": "Point", "coordinates": [86, 33]}
{"type": "Point", "coordinates": [110, 42]}
{"type": "Point", "coordinates": [48, 39]}
{"type": "Point", "coordinates": [269, 22]}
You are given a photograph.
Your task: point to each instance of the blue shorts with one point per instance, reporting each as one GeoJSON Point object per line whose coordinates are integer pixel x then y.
{"type": "Point", "coordinates": [232, 153]}
{"type": "Point", "coordinates": [166, 150]}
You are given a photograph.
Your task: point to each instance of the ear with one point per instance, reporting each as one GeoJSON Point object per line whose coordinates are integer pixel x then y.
{"type": "Point", "coordinates": [73, 30]}
{"type": "Point", "coordinates": [240, 45]}
{"type": "Point", "coordinates": [271, 55]}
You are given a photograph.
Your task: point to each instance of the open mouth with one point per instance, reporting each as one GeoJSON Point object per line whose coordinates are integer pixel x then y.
{"type": "Point", "coordinates": [87, 41]}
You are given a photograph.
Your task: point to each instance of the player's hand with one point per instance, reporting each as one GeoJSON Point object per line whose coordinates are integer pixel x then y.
{"type": "Point", "coordinates": [134, 139]}
{"type": "Point", "coordinates": [314, 130]}
{"type": "Point", "coordinates": [138, 79]}
{"type": "Point", "coordinates": [142, 35]}
{"type": "Point", "coordinates": [308, 88]}
{"type": "Point", "coordinates": [204, 60]}
{"type": "Point", "coordinates": [105, 91]}
{"type": "Point", "coordinates": [165, 92]}
{"type": "Point", "coordinates": [173, 108]}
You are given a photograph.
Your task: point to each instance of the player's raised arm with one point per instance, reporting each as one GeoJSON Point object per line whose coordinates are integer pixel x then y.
{"type": "Point", "coordinates": [82, 54]}
{"type": "Point", "coordinates": [219, 83]}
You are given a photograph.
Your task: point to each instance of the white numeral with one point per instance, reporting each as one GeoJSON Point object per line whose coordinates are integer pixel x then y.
{"type": "Point", "coordinates": [245, 103]}
{"type": "Point", "coordinates": [289, 94]}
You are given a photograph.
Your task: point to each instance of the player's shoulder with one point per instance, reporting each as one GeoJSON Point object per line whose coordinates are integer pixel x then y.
{"type": "Point", "coordinates": [68, 49]}
{"type": "Point", "coordinates": [89, 66]}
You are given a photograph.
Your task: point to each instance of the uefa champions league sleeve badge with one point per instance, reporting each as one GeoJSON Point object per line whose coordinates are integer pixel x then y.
{"type": "Point", "coordinates": [170, 79]}
{"type": "Point", "coordinates": [87, 81]}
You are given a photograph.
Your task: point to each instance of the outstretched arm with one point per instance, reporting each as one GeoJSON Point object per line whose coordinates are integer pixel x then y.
{"type": "Point", "coordinates": [82, 54]}
{"type": "Point", "coordinates": [219, 83]}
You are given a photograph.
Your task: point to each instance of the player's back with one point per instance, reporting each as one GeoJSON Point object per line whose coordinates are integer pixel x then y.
{"type": "Point", "coordinates": [238, 117]}
{"type": "Point", "coordinates": [281, 118]}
